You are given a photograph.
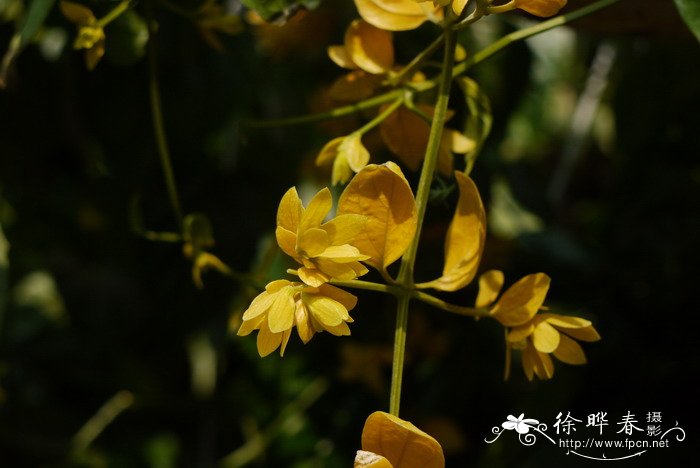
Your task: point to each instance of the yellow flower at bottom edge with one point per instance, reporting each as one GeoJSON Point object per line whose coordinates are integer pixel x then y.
{"type": "Point", "coordinates": [324, 249]}
{"type": "Point", "coordinates": [284, 304]}
{"type": "Point", "coordinates": [391, 442]}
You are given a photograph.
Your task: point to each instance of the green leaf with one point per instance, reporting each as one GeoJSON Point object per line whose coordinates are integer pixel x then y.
{"type": "Point", "coordinates": [690, 12]}
{"type": "Point", "coordinates": [36, 15]}
{"type": "Point", "coordinates": [479, 118]}
{"type": "Point", "coordinates": [276, 10]}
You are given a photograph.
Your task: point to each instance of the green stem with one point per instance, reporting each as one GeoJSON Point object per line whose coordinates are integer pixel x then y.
{"type": "Point", "coordinates": [417, 61]}
{"type": "Point", "coordinates": [368, 286]}
{"type": "Point", "coordinates": [97, 424]}
{"type": "Point", "coordinates": [440, 304]}
{"type": "Point", "coordinates": [405, 277]}
{"type": "Point", "coordinates": [114, 14]}
{"type": "Point", "coordinates": [158, 125]}
{"type": "Point", "coordinates": [379, 118]}
{"type": "Point", "coordinates": [338, 112]}
{"type": "Point", "coordinates": [399, 353]}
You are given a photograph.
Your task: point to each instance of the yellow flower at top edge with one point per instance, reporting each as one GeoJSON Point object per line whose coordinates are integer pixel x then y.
{"type": "Point", "coordinates": [536, 335]}
{"type": "Point", "coordinates": [324, 250]}
{"type": "Point", "coordinates": [542, 8]}
{"type": "Point", "coordinates": [397, 15]}
{"type": "Point", "coordinates": [285, 304]}
{"type": "Point", "coordinates": [91, 36]}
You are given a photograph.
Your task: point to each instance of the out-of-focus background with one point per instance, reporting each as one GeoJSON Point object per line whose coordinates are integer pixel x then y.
{"type": "Point", "coordinates": [590, 174]}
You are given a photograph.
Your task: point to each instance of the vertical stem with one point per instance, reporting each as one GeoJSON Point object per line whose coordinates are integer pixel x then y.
{"type": "Point", "coordinates": [405, 277]}
{"type": "Point", "coordinates": [399, 353]}
{"type": "Point", "coordinates": [158, 125]}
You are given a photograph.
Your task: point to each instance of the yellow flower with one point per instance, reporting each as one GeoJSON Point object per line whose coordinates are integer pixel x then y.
{"type": "Point", "coordinates": [549, 334]}
{"type": "Point", "coordinates": [397, 15]}
{"type": "Point", "coordinates": [366, 48]}
{"type": "Point", "coordinates": [389, 441]}
{"type": "Point", "coordinates": [541, 8]}
{"type": "Point", "coordinates": [348, 155]}
{"type": "Point", "coordinates": [536, 335]}
{"type": "Point", "coordinates": [324, 249]}
{"type": "Point", "coordinates": [284, 304]}
{"type": "Point", "coordinates": [91, 36]}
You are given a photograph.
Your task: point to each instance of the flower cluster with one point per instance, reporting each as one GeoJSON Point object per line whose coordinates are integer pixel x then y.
{"type": "Point", "coordinates": [536, 335]}
{"type": "Point", "coordinates": [284, 305]}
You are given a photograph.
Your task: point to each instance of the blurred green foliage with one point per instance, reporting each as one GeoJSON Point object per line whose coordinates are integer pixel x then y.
{"type": "Point", "coordinates": [89, 309]}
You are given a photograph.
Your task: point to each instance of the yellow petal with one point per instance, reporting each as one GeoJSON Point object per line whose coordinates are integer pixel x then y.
{"type": "Point", "coordinates": [285, 339]}
{"type": "Point", "coordinates": [458, 143]}
{"type": "Point", "coordinates": [318, 208]}
{"type": "Point", "coordinates": [394, 15]}
{"type": "Point", "coordinates": [541, 8]}
{"type": "Point", "coordinates": [339, 56]}
{"type": "Point", "coordinates": [312, 242]}
{"type": "Point", "coordinates": [355, 86]}
{"type": "Point", "coordinates": [274, 286]}
{"type": "Point", "coordinates": [249, 325]}
{"type": "Point", "coordinates": [384, 197]}
{"type": "Point", "coordinates": [340, 271]}
{"type": "Point", "coordinates": [287, 241]}
{"type": "Point", "coordinates": [303, 323]}
{"type": "Point", "coordinates": [341, 171]}
{"type": "Point", "coordinates": [267, 341]}
{"type": "Point", "coordinates": [566, 321]}
{"type": "Point", "coordinates": [365, 459]}
{"type": "Point", "coordinates": [260, 304]}
{"type": "Point", "coordinates": [406, 135]}
{"type": "Point", "coordinates": [341, 329]}
{"type": "Point", "coordinates": [520, 333]}
{"type": "Point", "coordinates": [95, 54]}
{"type": "Point", "coordinates": [460, 51]}
{"type": "Point", "coordinates": [582, 334]}
{"type": "Point", "coordinates": [354, 151]}
{"type": "Point", "coordinates": [326, 311]}
{"type": "Point", "coordinates": [544, 367]}
{"type": "Point", "coordinates": [464, 241]}
{"type": "Point", "coordinates": [329, 152]}
{"type": "Point", "coordinates": [76, 13]}
{"type": "Point", "coordinates": [522, 300]}
{"type": "Point", "coordinates": [369, 47]}
{"type": "Point", "coordinates": [344, 228]}
{"type": "Point", "coordinates": [528, 361]}
{"type": "Point", "coordinates": [289, 211]}
{"type": "Point", "coordinates": [312, 276]}
{"type": "Point", "coordinates": [458, 6]}
{"type": "Point", "coordinates": [569, 351]}
{"type": "Point", "coordinates": [349, 301]}
{"type": "Point", "coordinates": [400, 442]}
{"type": "Point", "coordinates": [280, 317]}
{"type": "Point", "coordinates": [343, 254]}
{"type": "Point", "coordinates": [545, 337]}
{"type": "Point", "coordinates": [490, 284]}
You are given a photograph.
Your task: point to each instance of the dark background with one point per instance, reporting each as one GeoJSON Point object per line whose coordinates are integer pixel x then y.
{"type": "Point", "coordinates": [109, 311]}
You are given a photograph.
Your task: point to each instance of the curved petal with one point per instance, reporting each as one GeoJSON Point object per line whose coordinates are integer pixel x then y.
{"type": "Point", "coordinates": [569, 351]}
{"type": "Point", "coordinates": [369, 47]}
{"type": "Point", "coordinates": [402, 443]}
{"type": "Point", "coordinates": [522, 300]}
{"type": "Point", "coordinates": [545, 337]}
{"type": "Point", "coordinates": [490, 284]}
{"type": "Point", "coordinates": [289, 211]}
{"type": "Point", "coordinates": [318, 208]}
